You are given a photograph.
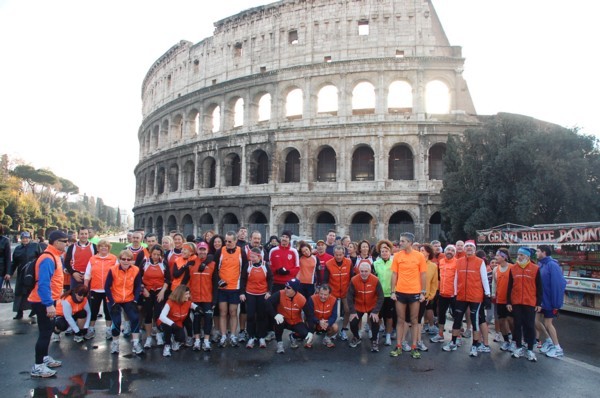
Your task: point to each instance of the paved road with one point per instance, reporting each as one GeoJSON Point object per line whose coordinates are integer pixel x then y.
{"type": "Point", "coordinates": [89, 369]}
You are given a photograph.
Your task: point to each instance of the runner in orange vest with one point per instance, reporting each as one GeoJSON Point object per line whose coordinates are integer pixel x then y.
{"type": "Point", "coordinates": [338, 272]}
{"type": "Point", "coordinates": [504, 323]}
{"type": "Point", "coordinates": [325, 310]}
{"type": "Point", "coordinates": [447, 271]}
{"type": "Point", "coordinates": [155, 282]}
{"type": "Point", "coordinates": [203, 283]}
{"type": "Point", "coordinates": [173, 316]}
{"type": "Point", "coordinates": [307, 275]}
{"type": "Point", "coordinates": [73, 311]}
{"type": "Point", "coordinates": [78, 256]}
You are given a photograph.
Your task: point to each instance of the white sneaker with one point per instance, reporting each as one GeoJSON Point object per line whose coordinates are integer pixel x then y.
{"type": "Point", "coordinates": [126, 329]}
{"type": "Point", "coordinates": [555, 352]}
{"type": "Point", "coordinates": [484, 348]}
{"type": "Point", "coordinates": [467, 334]}
{"type": "Point", "coordinates": [176, 346]}
{"type": "Point", "coordinates": [234, 341]}
{"type": "Point", "coordinates": [512, 347]}
{"type": "Point", "coordinates": [343, 335]}
{"type": "Point", "coordinates": [197, 345]}
{"type": "Point", "coordinates": [505, 346]}
{"type": "Point", "coordinates": [91, 333]}
{"type": "Point", "coordinates": [406, 347]}
{"type": "Point", "coordinates": [148, 343]}
{"type": "Point", "coordinates": [69, 331]}
{"type": "Point", "coordinates": [388, 339]}
{"type": "Point", "coordinates": [223, 341]}
{"type": "Point", "coordinates": [280, 349]}
{"type": "Point", "coordinates": [78, 339]}
{"type": "Point", "coordinates": [114, 346]}
{"type": "Point", "coordinates": [154, 331]}
{"type": "Point", "coordinates": [51, 362]}
{"type": "Point", "coordinates": [449, 346]}
{"type": "Point", "coordinates": [250, 343]}
{"type": "Point", "coordinates": [108, 334]}
{"type": "Point", "coordinates": [160, 339]}
{"type": "Point", "coordinates": [167, 351]}
{"type": "Point", "coordinates": [262, 343]}
{"type": "Point", "coordinates": [437, 339]}
{"type": "Point", "coordinates": [498, 338]}
{"type": "Point", "coordinates": [547, 346]}
{"type": "Point", "coordinates": [473, 352]}
{"type": "Point", "coordinates": [293, 342]}
{"type": "Point", "coordinates": [531, 356]}
{"type": "Point", "coordinates": [189, 341]}
{"type": "Point", "coordinates": [270, 336]}
{"type": "Point", "coordinates": [137, 348]}
{"type": "Point", "coordinates": [41, 371]}
{"type": "Point", "coordinates": [328, 342]}
{"type": "Point", "coordinates": [55, 338]}
{"type": "Point", "coordinates": [519, 352]}
{"type": "Point", "coordinates": [459, 342]}
{"type": "Point", "coordinates": [206, 345]}
{"type": "Point", "coordinates": [242, 336]}
{"type": "Point", "coordinates": [421, 346]}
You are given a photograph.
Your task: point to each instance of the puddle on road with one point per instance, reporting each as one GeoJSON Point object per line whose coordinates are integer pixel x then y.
{"type": "Point", "coordinates": [104, 383]}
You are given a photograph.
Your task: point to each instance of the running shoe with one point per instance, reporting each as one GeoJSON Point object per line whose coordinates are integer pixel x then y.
{"type": "Point", "coordinates": [250, 343]}
{"type": "Point", "coordinates": [374, 346]}
{"type": "Point", "coordinates": [531, 356]}
{"type": "Point", "coordinates": [137, 348]}
{"type": "Point", "coordinates": [176, 346]}
{"type": "Point", "coordinates": [388, 339]}
{"type": "Point", "coordinates": [270, 336]}
{"type": "Point", "coordinates": [449, 346]}
{"type": "Point", "coordinates": [126, 329]}
{"type": "Point", "coordinates": [354, 342]}
{"type": "Point", "coordinates": [148, 343]}
{"type": "Point", "coordinates": [206, 345]}
{"type": "Point", "coordinates": [91, 333]}
{"type": "Point", "coordinates": [425, 329]}
{"type": "Point", "coordinates": [484, 348]}
{"type": "Point", "coordinates": [55, 338]}
{"type": "Point", "coordinates": [433, 330]}
{"type": "Point", "coordinates": [343, 335]}
{"type": "Point", "coordinates": [513, 346]}
{"type": "Point", "coordinates": [69, 331]}
{"type": "Point", "coordinates": [406, 347]}
{"type": "Point", "coordinates": [154, 331]}
{"type": "Point", "coordinates": [467, 334]}
{"type": "Point", "coordinates": [396, 352]}
{"type": "Point", "coordinates": [547, 346]}
{"type": "Point", "coordinates": [394, 334]}
{"type": "Point", "coordinates": [498, 338]}
{"type": "Point", "coordinates": [280, 349]}
{"type": "Point", "coordinates": [519, 352]}
{"type": "Point", "coordinates": [189, 341]}
{"type": "Point", "coordinates": [421, 346]}
{"type": "Point", "coordinates": [78, 339]}
{"type": "Point", "coordinates": [437, 339]}
{"type": "Point", "coordinates": [242, 336]}
{"type": "Point", "coordinates": [415, 354]}
{"type": "Point", "coordinates": [223, 341]}
{"type": "Point", "coordinates": [160, 339]}
{"type": "Point", "coordinates": [293, 342]}
{"type": "Point", "coordinates": [505, 346]}
{"type": "Point", "coordinates": [114, 346]}
{"type": "Point", "coordinates": [459, 342]}
{"type": "Point", "coordinates": [51, 362]}
{"type": "Point", "coordinates": [308, 340]}
{"type": "Point", "coordinates": [108, 334]}
{"type": "Point", "coordinates": [262, 343]}
{"type": "Point", "coordinates": [167, 351]}
{"type": "Point", "coordinates": [197, 345]}
{"type": "Point", "coordinates": [473, 352]}
{"type": "Point", "coordinates": [555, 352]}
{"type": "Point", "coordinates": [42, 371]}
{"type": "Point", "coordinates": [327, 342]}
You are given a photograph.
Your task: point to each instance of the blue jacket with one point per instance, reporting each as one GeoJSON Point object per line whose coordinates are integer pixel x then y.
{"type": "Point", "coordinates": [553, 282]}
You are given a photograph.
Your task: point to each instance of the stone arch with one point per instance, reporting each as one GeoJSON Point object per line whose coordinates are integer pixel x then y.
{"type": "Point", "coordinates": [235, 112]}
{"type": "Point", "coordinates": [212, 118]}
{"type": "Point", "coordinates": [362, 226]}
{"type": "Point", "coordinates": [292, 167]}
{"type": "Point", "coordinates": [364, 98]}
{"type": "Point", "coordinates": [437, 97]}
{"type": "Point", "coordinates": [187, 225]}
{"type": "Point", "coordinates": [155, 136]}
{"type": "Point", "coordinates": [164, 134]}
{"type": "Point", "coordinates": [436, 161]}
{"type": "Point", "coordinates": [229, 222]}
{"type": "Point", "coordinates": [150, 185]}
{"type": "Point", "coordinates": [327, 100]}
{"type": "Point", "coordinates": [208, 173]}
{"type": "Point", "coordinates": [171, 223]}
{"type": "Point", "coordinates": [401, 163]}
{"type": "Point", "coordinates": [294, 103]}
{"type": "Point", "coordinates": [435, 226]}
{"type": "Point", "coordinates": [258, 168]}
{"type": "Point", "coordinates": [400, 221]}
{"type": "Point", "coordinates": [159, 227]}
{"type": "Point", "coordinates": [188, 175]}
{"type": "Point", "coordinates": [160, 180]}
{"type": "Point", "coordinates": [257, 221]}
{"type": "Point", "coordinates": [206, 222]}
{"type": "Point", "coordinates": [326, 165]}
{"type": "Point", "coordinates": [177, 128]}
{"type": "Point", "coordinates": [400, 98]}
{"type": "Point", "coordinates": [232, 170]}
{"type": "Point", "coordinates": [193, 123]}
{"type": "Point", "coordinates": [289, 221]}
{"type": "Point", "coordinates": [363, 164]}
{"type": "Point", "coordinates": [264, 107]}
{"type": "Point", "coordinates": [173, 177]}
{"type": "Point", "coordinates": [150, 226]}
{"type": "Point", "coordinates": [324, 221]}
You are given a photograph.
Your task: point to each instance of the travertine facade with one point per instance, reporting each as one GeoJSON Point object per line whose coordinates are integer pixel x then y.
{"type": "Point", "coordinates": [305, 115]}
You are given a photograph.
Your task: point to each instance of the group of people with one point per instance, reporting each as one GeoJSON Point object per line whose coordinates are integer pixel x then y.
{"type": "Point", "coordinates": [229, 291]}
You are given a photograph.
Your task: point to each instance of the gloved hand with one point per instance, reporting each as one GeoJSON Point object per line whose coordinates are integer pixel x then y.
{"type": "Point", "coordinates": [487, 302]}
{"type": "Point", "coordinates": [309, 339]}
{"type": "Point", "coordinates": [283, 271]}
{"type": "Point", "coordinates": [189, 263]}
{"type": "Point", "coordinates": [279, 319]}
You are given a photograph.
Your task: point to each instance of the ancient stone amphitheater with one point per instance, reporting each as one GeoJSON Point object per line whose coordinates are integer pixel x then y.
{"type": "Point", "coordinates": [303, 115]}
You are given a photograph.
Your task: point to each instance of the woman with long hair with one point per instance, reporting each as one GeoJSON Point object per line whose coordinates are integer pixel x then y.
{"type": "Point", "coordinates": [73, 311]}
{"type": "Point", "coordinates": [155, 281]}
{"type": "Point", "coordinates": [173, 316]}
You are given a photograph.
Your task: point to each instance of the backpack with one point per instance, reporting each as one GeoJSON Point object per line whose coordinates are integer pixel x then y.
{"type": "Point", "coordinates": [29, 271]}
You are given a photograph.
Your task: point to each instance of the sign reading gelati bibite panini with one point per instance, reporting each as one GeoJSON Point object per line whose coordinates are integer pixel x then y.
{"type": "Point", "coordinates": [539, 236]}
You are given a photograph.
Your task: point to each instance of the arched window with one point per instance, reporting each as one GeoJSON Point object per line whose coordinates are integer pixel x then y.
{"type": "Point", "coordinates": [292, 166]}
{"type": "Point", "coordinates": [193, 121]}
{"type": "Point", "coordinates": [150, 226]}
{"type": "Point", "coordinates": [216, 119]}
{"type": "Point", "coordinates": [264, 108]}
{"type": "Point", "coordinates": [159, 227]}
{"type": "Point", "coordinates": [259, 168]}
{"type": "Point", "coordinates": [160, 180]}
{"type": "Point", "coordinates": [291, 222]}
{"type": "Point", "coordinates": [206, 222]}
{"type": "Point", "coordinates": [177, 128]}
{"type": "Point", "coordinates": [164, 134]}
{"type": "Point", "coordinates": [323, 223]}
{"type": "Point", "coordinates": [187, 224]}
{"type": "Point", "coordinates": [435, 226]}
{"type": "Point", "coordinates": [209, 172]}
{"type": "Point", "coordinates": [363, 164]}
{"type": "Point", "coordinates": [362, 226]}
{"type": "Point", "coordinates": [363, 99]}
{"type": "Point", "coordinates": [188, 175]}
{"type": "Point", "coordinates": [293, 104]}
{"type": "Point", "coordinates": [230, 223]}
{"type": "Point", "coordinates": [150, 184]}
{"type": "Point", "coordinates": [238, 113]}
{"type": "Point", "coordinates": [437, 97]}
{"type": "Point", "coordinates": [326, 165]}
{"type": "Point", "coordinates": [400, 221]}
{"type": "Point", "coordinates": [173, 178]}
{"type": "Point", "coordinates": [258, 222]}
{"type": "Point", "coordinates": [401, 163]}
{"type": "Point", "coordinates": [436, 162]}
{"type": "Point", "coordinates": [232, 170]}
{"type": "Point", "coordinates": [400, 97]}
{"type": "Point", "coordinates": [171, 224]}
{"type": "Point", "coordinates": [327, 100]}
{"type": "Point", "coordinates": [155, 135]}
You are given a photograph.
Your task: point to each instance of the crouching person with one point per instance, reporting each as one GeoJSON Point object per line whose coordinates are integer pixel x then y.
{"type": "Point", "coordinates": [174, 315]}
{"type": "Point", "coordinates": [285, 306]}
{"type": "Point", "coordinates": [325, 310]}
{"type": "Point", "coordinates": [73, 310]}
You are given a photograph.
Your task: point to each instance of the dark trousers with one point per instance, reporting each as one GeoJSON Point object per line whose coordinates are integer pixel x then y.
{"type": "Point", "coordinates": [131, 310]}
{"type": "Point", "coordinates": [257, 316]}
{"type": "Point", "coordinates": [152, 307]}
{"type": "Point", "coordinates": [443, 304]}
{"type": "Point", "coordinates": [97, 298]}
{"type": "Point", "coordinates": [299, 329]}
{"type": "Point", "coordinates": [524, 321]}
{"type": "Point", "coordinates": [45, 328]}
{"type": "Point", "coordinates": [177, 333]}
{"type": "Point", "coordinates": [374, 326]}
{"type": "Point", "coordinates": [206, 319]}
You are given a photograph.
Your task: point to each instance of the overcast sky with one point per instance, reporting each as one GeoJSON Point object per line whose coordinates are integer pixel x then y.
{"type": "Point", "coordinates": [71, 72]}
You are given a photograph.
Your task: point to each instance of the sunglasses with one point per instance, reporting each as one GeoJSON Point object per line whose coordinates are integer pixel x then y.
{"type": "Point", "coordinates": [63, 240]}
{"type": "Point", "coordinates": [126, 259]}
{"type": "Point", "coordinates": [229, 241]}
{"type": "Point", "coordinates": [287, 287]}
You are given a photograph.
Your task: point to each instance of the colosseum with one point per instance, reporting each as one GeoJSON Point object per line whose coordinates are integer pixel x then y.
{"type": "Point", "coordinates": [303, 115]}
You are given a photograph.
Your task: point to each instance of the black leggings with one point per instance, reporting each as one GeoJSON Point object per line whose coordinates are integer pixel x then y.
{"type": "Point", "coordinates": [374, 326]}
{"type": "Point", "coordinates": [300, 329]}
{"type": "Point", "coordinates": [443, 304]}
{"type": "Point", "coordinates": [152, 307]}
{"type": "Point", "coordinates": [207, 317]}
{"type": "Point", "coordinates": [177, 333]}
{"type": "Point", "coordinates": [524, 318]}
{"type": "Point", "coordinates": [97, 298]}
{"type": "Point", "coordinates": [257, 316]}
{"type": "Point", "coordinates": [45, 327]}
{"type": "Point", "coordinates": [475, 311]}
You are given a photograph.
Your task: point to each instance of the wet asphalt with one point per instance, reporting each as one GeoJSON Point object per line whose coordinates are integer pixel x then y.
{"type": "Point", "coordinates": [90, 370]}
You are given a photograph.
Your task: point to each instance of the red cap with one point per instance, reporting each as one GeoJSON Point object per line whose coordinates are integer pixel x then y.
{"type": "Point", "coordinates": [203, 245]}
